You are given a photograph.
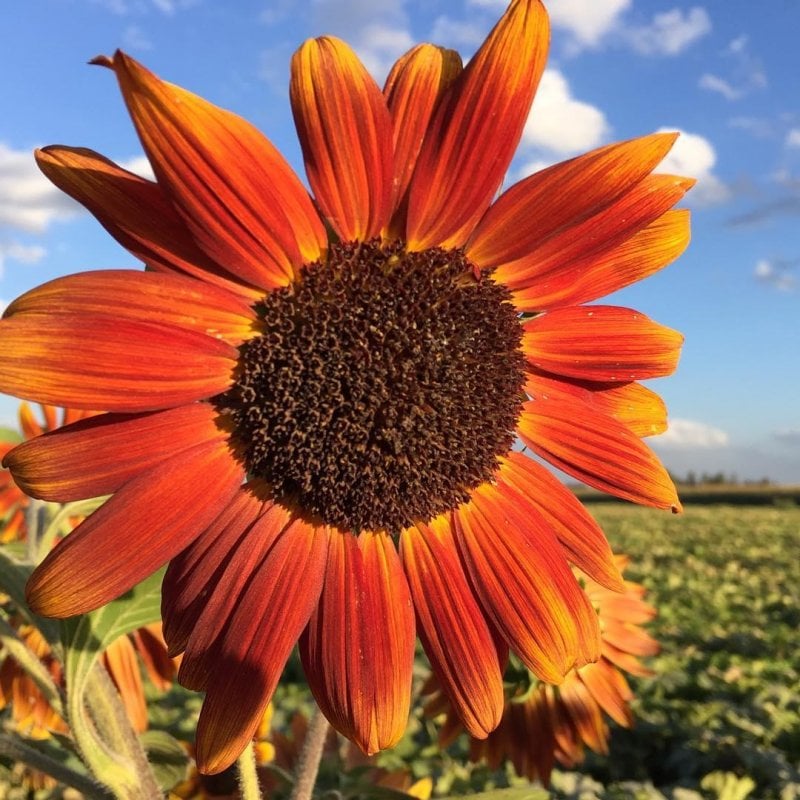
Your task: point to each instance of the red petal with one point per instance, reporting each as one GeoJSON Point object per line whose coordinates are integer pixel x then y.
{"type": "Point", "coordinates": [601, 343]}
{"type": "Point", "coordinates": [101, 362]}
{"type": "Point", "coordinates": [358, 649]}
{"type": "Point", "coordinates": [609, 690]}
{"type": "Point", "coordinates": [476, 129]}
{"type": "Point", "coordinates": [550, 203]}
{"type": "Point", "coordinates": [222, 593]}
{"type": "Point", "coordinates": [452, 626]}
{"type": "Point", "coordinates": [243, 204]}
{"type": "Point", "coordinates": [574, 276]}
{"type": "Point", "coordinates": [260, 635]}
{"type": "Point", "coordinates": [146, 297]}
{"type": "Point", "coordinates": [579, 534]}
{"type": "Point", "coordinates": [591, 446]}
{"type": "Point", "coordinates": [147, 522]}
{"type": "Point", "coordinates": [97, 456]}
{"type": "Point", "coordinates": [191, 574]}
{"type": "Point", "coordinates": [413, 90]}
{"type": "Point", "coordinates": [136, 212]}
{"type": "Point", "coordinates": [344, 128]}
{"type": "Point", "coordinates": [522, 579]}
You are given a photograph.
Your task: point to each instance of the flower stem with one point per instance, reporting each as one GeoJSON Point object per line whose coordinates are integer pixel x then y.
{"type": "Point", "coordinates": [248, 776]}
{"type": "Point", "coordinates": [310, 757]}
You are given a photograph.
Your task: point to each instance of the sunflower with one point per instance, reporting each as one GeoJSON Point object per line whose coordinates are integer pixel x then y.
{"type": "Point", "coordinates": [549, 724]}
{"type": "Point", "coordinates": [312, 403]}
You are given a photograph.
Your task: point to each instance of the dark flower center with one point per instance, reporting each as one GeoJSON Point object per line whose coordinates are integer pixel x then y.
{"type": "Point", "coordinates": [384, 387]}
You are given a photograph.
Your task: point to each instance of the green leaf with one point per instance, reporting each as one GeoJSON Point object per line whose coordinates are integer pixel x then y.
{"type": "Point", "coordinates": [13, 577]}
{"type": "Point", "coordinates": [166, 756]}
{"type": "Point", "coordinates": [10, 435]}
{"type": "Point", "coordinates": [86, 636]}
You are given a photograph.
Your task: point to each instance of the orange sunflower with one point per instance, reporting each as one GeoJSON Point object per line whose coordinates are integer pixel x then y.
{"type": "Point", "coordinates": [312, 402]}
{"type": "Point", "coordinates": [554, 723]}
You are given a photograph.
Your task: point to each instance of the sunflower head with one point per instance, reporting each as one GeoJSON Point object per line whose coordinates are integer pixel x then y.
{"type": "Point", "coordinates": [312, 399]}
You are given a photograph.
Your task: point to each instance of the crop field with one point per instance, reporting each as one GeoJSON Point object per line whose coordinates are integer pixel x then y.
{"type": "Point", "coordinates": [726, 695]}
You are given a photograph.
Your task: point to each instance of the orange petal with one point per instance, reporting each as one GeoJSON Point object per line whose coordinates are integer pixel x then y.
{"type": "Point", "coordinates": [260, 636]}
{"type": "Point", "coordinates": [476, 129]}
{"type": "Point", "coordinates": [584, 541]}
{"type": "Point", "coordinates": [221, 594]}
{"type": "Point", "coordinates": [29, 425]}
{"type": "Point", "coordinates": [242, 202]}
{"type": "Point", "coordinates": [555, 200]}
{"type": "Point", "coordinates": [413, 89]}
{"type": "Point", "coordinates": [136, 212]}
{"type": "Point", "coordinates": [453, 628]}
{"type": "Point", "coordinates": [144, 297]}
{"type": "Point", "coordinates": [571, 277]}
{"type": "Point", "coordinates": [594, 448]}
{"type": "Point", "coordinates": [610, 691]}
{"type": "Point", "coordinates": [345, 130]}
{"type": "Point", "coordinates": [191, 574]}
{"type": "Point", "coordinates": [358, 649]}
{"type": "Point", "coordinates": [120, 660]}
{"type": "Point", "coordinates": [101, 362]}
{"type": "Point", "coordinates": [147, 522]}
{"type": "Point", "coordinates": [97, 456]}
{"type": "Point", "coordinates": [149, 643]}
{"type": "Point", "coordinates": [584, 714]}
{"type": "Point", "coordinates": [601, 343]}
{"type": "Point", "coordinates": [638, 408]}
{"type": "Point", "coordinates": [524, 584]}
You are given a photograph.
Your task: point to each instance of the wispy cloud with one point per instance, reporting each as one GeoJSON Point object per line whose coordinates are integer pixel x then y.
{"type": "Point", "coordinates": [28, 201]}
{"type": "Point", "coordinates": [787, 436]}
{"type": "Point", "coordinates": [134, 38]}
{"type": "Point", "coordinates": [746, 72]}
{"type": "Point", "coordinates": [788, 206]}
{"type": "Point", "coordinates": [694, 156]}
{"type": "Point", "coordinates": [23, 253]}
{"type": "Point", "coordinates": [793, 138]}
{"type": "Point", "coordinates": [669, 33]}
{"type": "Point", "coordinates": [776, 272]}
{"type": "Point", "coordinates": [689, 433]}
{"type": "Point", "coordinates": [713, 83]}
{"type": "Point", "coordinates": [756, 126]}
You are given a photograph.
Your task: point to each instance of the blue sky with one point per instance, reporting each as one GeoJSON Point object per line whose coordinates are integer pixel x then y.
{"type": "Point", "coordinates": [723, 71]}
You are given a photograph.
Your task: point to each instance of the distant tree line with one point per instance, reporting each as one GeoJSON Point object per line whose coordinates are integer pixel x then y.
{"type": "Point", "coordinates": [692, 478]}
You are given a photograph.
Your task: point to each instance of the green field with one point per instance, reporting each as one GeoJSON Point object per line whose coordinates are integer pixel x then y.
{"type": "Point", "coordinates": [726, 696]}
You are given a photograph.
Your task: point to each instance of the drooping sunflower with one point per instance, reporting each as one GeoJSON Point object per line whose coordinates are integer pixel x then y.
{"type": "Point", "coordinates": [550, 724]}
{"type": "Point", "coordinates": [312, 403]}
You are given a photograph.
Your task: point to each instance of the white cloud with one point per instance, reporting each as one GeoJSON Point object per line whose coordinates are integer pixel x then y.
{"type": "Point", "coordinates": [694, 156]}
{"type": "Point", "coordinates": [457, 33]}
{"type": "Point", "coordinates": [776, 273]}
{"type": "Point", "coordinates": [561, 124]}
{"type": "Point", "coordinates": [687, 433]}
{"type": "Point", "coordinates": [3, 307]}
{"type": "Point", "coordinates": [670, 32]}
{"type": "Point", "coordinates": [379, 46]}
{"type": "Point", "coordinates": [378, 30]}
{"type": "Point", "coordinates": [134, 38]}
{"type": "Point", "coordinates": [719, 85]}
{"type": "Point", "coordinates": [28, 201]}
{"type": "Point", "coordinates": [140, 165]}
{"type": "Point", "coordinates": [793, 138]}
{"type": "Point", "coordinates": [23, 253]}
{"type": "Point", "coordinates": [588, 21]}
